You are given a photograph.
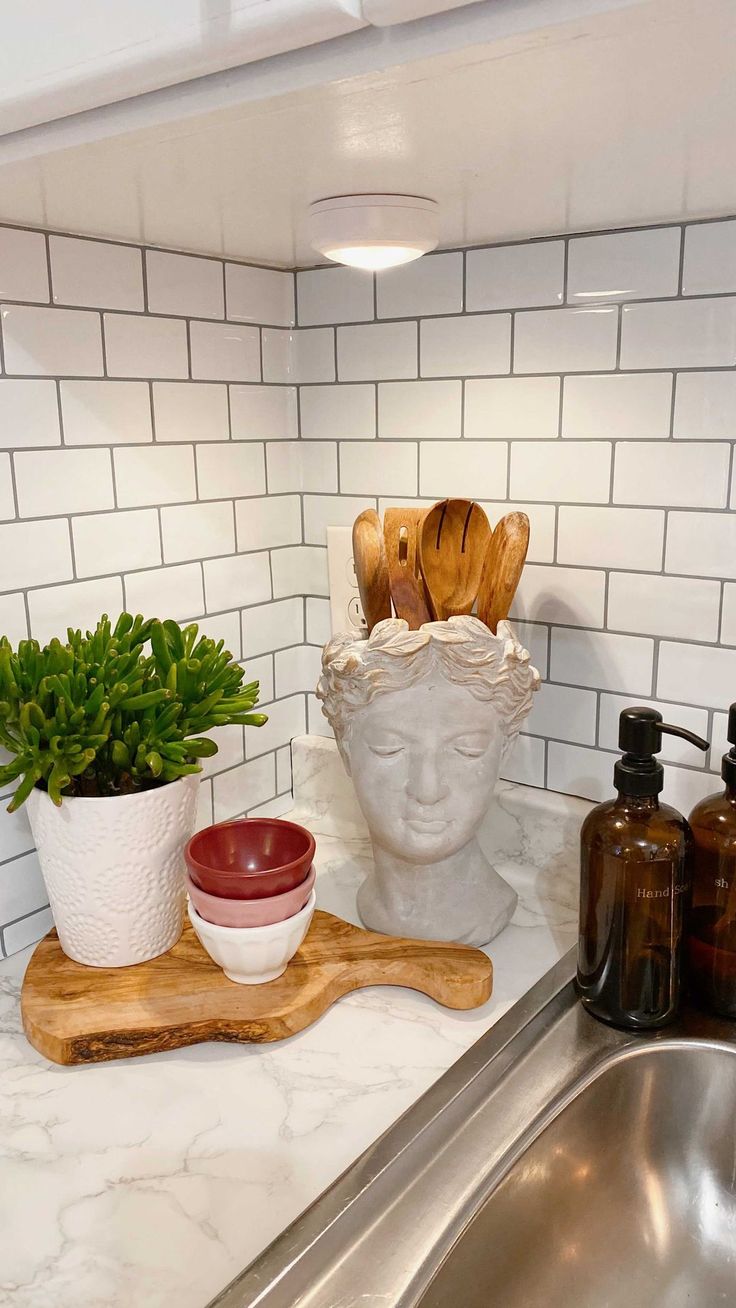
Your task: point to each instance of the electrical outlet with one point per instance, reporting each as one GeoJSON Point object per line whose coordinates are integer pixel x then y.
{"type": "Point", "coordinates": [346, 610]}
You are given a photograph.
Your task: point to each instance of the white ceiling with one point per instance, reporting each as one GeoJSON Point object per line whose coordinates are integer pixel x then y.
{"type": "Point", "coordinates": [618, 118]}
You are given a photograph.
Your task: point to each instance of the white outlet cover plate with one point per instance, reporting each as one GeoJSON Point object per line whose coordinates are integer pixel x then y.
{"type": "Point", "coordinates": [346, 610]}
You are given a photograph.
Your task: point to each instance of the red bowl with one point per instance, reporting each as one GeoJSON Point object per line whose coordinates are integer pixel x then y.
{"type": "Point", "coordinates": [250, 858]}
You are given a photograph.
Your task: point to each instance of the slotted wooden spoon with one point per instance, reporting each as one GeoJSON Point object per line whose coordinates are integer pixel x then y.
{"type": "Point", "coordinates": [401, 528]}
{"type": "Point", "coordinates": [371, 568]}
{"type": "Point", "coordinates": [452, 546]}
{"type": "Point", "coordinates": [502, 569]}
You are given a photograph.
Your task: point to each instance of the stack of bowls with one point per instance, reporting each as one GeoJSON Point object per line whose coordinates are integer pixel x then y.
{"type": "Point", "coordinates": [251, 894]}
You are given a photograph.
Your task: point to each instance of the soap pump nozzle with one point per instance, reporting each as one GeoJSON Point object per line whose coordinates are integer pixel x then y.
{"type": "Point", "coordinates": [640, 732]}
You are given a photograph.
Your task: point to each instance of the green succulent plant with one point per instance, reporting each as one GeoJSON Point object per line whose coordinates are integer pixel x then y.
{"type": "Point", "coordinates": [116, 710]}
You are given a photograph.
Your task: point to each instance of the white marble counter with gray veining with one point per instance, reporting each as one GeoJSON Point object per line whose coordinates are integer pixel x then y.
{"type": "Point", "coordinates": [154, 1180]}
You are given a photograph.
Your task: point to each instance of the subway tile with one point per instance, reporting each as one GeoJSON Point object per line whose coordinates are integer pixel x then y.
{"type": "Point", "coordinates": [80, 604]}
{"type": "Point", "coordinates": [184, 284]}
{"type": "Point", "coordinates": [13, 622]}
{"type": "Point", "coordinates": [106, 412]}
{"type": "Point", "coordinates": [705, 406]}
{"type": "Point", "coordinates": [377, 351]}
{"type": "Point", "coordinates": [286, 719]}
{"type": "Point", "coordinates": [7, 501]}
{"type": "Point", "coordinates": [29, 414]}
{"type": "Point", "coordinates": [535, 639]}
{"type": "Point", "coordinates": [671, 474]}
{"type": "Point", "coordinates": [22, 888]}
{"type": "Point", "coordinates": [297, 670]}
{"type": "Point", "coordinates": [611, 538]}
{"type": "Point", "coordinates": [696, 674]}
{"type": "Point", "coordinates": [283, 769]}
{"type": "Point", "coordinates": [709, 264]}
{"type": "Point", "coordinates": [602, 660]}
{"type": "Point", "coordinates": [332, 295]}
{"type": "Point", "coordinates": [223, 626]}
{"type": "Point", "coordinates": [525, 763]}
{"type": "Point", "coordinates": [273, 626]}
{"type": "Point", "coordinates": [574, 770]}
{"type": "Point", "coordinates": [299, 570]}
{"type": "Point", "coordinates": [346, 413]}
{"type": "Point", "coordinates": [204, 816]}
{"type": "Point", "coordinates": [541, 525]}
{"type": "Point", "coordinates": [145, 347]}
{"type": "Point", "coordinates": [728, 621]}
{"type": "Point", "coordinates": [277, 355]}
{"type": "Point", "coordinates": [55, 342]}
{"type": "Point", "coordinates": [323, 511]}
{"type": "Point", "coordinates": [238, 579]}
{"type": "Point", "coordinates": [300, 357]}
{"type": "Point", "coordinates": [621, 406]}
{"type": "Point", "coordinates": [564, 713]}
{"type": "Point", "coordinates": [263, 413]}
{"type": "Point", "coordinates": [230, 749]}
{"type": "Point", "coordinates": [430, 285]}
{"type": "Point", "coordinates": [23, 268]}
{"type": "Point", "coordinates": [565, 471]}
{"type": "Point", "coordinates": [319, 626]}
{"type": "Point", "coordinates": [116, 542]}
{"type": "Point", "coordinates": [512, 408]}
{"type": "Point", "coordinates": [294, 466]}
{"type": "Point", "coordinates": [231, 469]}
{"type": "Point", "coordinates": [680, 334]}
{"type": "Point", "coordinates": [426, 410]}
{"type": "Point", "coordinates": [263, 524]}
{"type": "Point", "coordinates": [701, 544]}
{"type": "Point", "coordinates": [378, 468]}
{"type": "Point", "coordinates": [673, 750]}
{"type": "Point", "coordinates": [63, 481]}
{"type": "Point", "coordinates": [719, 742]}
{"type": "Point", "coordinates": [198, 531]}
{"type": "Point", "coordinates": [272, 808]}
{"type": "Point", "coordinates": [685, 787]}
{"type": "Point", "coordinates": [244, 787]}
{"type": "Point", "coordinates": [191, 411]}
{"type": "Point", "coordinates": [154, 475]}
{"type": "Point", "coordinates": [166, 592]}
{"type": "Point", "coordinates": [574, 596]}
{"type": "Point", "coordinates": [317, 724]}
{"type": "Point", "coordinates": [565, 340]}
{"type": "Point", "coordinates": [663, 606]}
{"type": "Point", "coordinates": [225, 352]}
{"type": "Point", "coordinates": [15, 833]}
{"type": "Point", "coordinates": [18, 935]}
{"type": "Point", "coordinates": [34, 553]}
{"type": "Point", "coordinates": [515, 276]}
{"type": "Point", "coordinates": [624, 265]}
{"type": "Point", "coordinates": [472, 345]}
{"type": "Point", "coordinates": [96, 274]}
{"type": "Point", "coordinates": [476, 470]}
{"type": "Point", "coordinates": [263, 295]}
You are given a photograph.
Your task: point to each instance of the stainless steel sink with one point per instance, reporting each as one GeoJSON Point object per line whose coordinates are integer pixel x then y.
{"type": "Point", "coordinates": [558, 1164]}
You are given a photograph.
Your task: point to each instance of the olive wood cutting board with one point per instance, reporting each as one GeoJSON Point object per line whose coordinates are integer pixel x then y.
{"type": "Point", "coordinates": [77, 1014]}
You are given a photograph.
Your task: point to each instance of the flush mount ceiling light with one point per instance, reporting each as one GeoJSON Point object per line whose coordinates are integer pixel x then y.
{"type": "Point", "coordinates": [373, 231]}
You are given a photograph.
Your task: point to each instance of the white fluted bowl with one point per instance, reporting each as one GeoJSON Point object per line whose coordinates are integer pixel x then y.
{"type": "Point", "coordinates": [253, 955]}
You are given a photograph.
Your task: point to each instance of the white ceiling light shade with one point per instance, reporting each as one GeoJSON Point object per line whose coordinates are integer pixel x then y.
{"type": "Point", "coordinates": [373, 231]}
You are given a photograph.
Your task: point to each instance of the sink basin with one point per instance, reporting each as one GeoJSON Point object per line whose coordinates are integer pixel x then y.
{"type": "Point", "coordinates": [559, 1164]}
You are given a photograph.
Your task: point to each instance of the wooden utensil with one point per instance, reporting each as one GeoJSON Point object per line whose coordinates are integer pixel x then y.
{"type": "Point", "coordinates": [502, 569]}
{"type": "Point", "coordinates": [371, 568]}
{"type": "Point", "coordinates": [453, 542]}
{"type": "Point", "coordinates": [401, 528]}
{"type": "Point", "coordinates": [76, 1014]}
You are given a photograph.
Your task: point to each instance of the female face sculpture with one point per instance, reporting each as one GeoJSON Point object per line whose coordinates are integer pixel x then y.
{"type": "Point", "coordinates": [422, 720]}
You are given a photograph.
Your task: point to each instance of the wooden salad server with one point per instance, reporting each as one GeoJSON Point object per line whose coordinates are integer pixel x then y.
{"type": "Point", "coordinates": [401, 528]}
{"type": "Point", "coordinates": [502, 569]}
{"type": "Point", "coordinates": [453, 542]}
{"type": "Point", "coordinates": [371, 568]}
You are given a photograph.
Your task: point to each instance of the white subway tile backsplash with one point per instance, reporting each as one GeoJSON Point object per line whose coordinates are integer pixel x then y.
{"type": "Point", "coordinates": [618, 406]}
{"type": "Point", "coordinates": [299, 357]}
{"type": "Point", "coordinates": [116, 542]}
{"type": "Point", "coordinates": [96, 274]}
{"type": "Point", "coordinates": [323, 511]}
{"type": "Point", "coordinates": [710, 258]}
{"type": "Point", "coordinates": [297, 669]}
{"type": "Point", "coordinates": [574, 596]}
{"type": "Point", "coordinates": [136, 346]}
{"type": "Point", "coordinates": [379, 468]}
{"type": "Point", "coordinates": [541, 526]}
{"type": "Point", "coordinates": [22, 889]}
{"type": "Point", "coordinates": [184, 284]}
{"type": "Point", "coordinates": [191, 411]}
{"type": "Point", "coordinates": [63, 481]}
{"type": "Point", "coordinates": [565, 340]}
{"type": "Point", "coordinates": [705, 406]}
{"type": "Point", "coordinates": [579, 771]}
{"type": "Point", "coordinates": [7, 500]}
{"type": "Point", "coordinates": [198, 531]}
{"type": "Point", "coordinates": [319, 626]}
{"type": "Point", "coordinates": [424, 286]}
{"type": "Point", "coordinates": [346, 413]}
{"type": "Point", "coordinates": [696, 674]}
{"type": "Point", "coordinates": [680, 334]}
{"type": "Point", "coordinates": [237, 580]}
{"type": "Point", "coordinates": [564, 713]}
{"type": "Point", "coordinates": [223, 626]}
{"type": "Point", "coordinates": [13, 621]}
{"type": "Point", "coordinates": [420, 410]}
{"type": "Point", "coordinates": [18, 935]}
{"type": "Point", "coordinates": [268, 627]}
{"type": "Point", "coordinates": [286, 719]}
{"type": "Point", "coordinates": [611, 538]}
{"type": "Point", "coordinates": [34, 553]}
{"type": "Point", "coordinates": [515, 276]}
{"type": "Point", "coordinates": [230, 749]}
{"type": "Point", "coordinates": [512, 408]}
{"type": "Point", "coordinates": [105, 412]}
{"type": "Point", "coordinates": [267, 523]}
{"type": "Point", "coordinates": [29, 414]}
{"type": "Point", "coordinates": [728, 621]}
{"type": "Point", "coordinates": [332, 295]}
{"type": "Point", "coordinates": [15, 832]}
{"type": "Point", "coordinates": [294, 466]}
{"type": "Point", "coordinates": [377, 351]}
{"type": "Point", "coordinates": [468, 346]}
{"type": "Point", "coordinates": [684, 474]}
{"type": "Point", "coordinates": [154, 475]}
{"type": "Point", "coordinates": [602, 660]}
{"type": "Point", "coordinates": [232, 469]}
{"type": "Point", "coordinates": [262, 295]}
{"type": "Point", "coordinates": [263, 413]}
{"type": "Point", "coordinates": [299, 570]}
{"type": "Point", "coordinates": [664, 606]}
{"type": "Point", "coordinates": [525, 764]}
{"type": "Point", "coordinates": [571, 472]}
{"type": "Point", "coordinates": [283, 769]}
{"type": "Point", "coordinates": [673, 750]}
{"type": "Point", "coordinates": [474, 469]}
{"type": "Point", "coordinates": [624, 265]}
{"type": "Point", "coordinates": [535, 639]}
{"type": "Point", "coordinates": [79, 604]}
{"type": "Point", "coordinates": [701, 544]}
{"type": "Point", "coordinates": [719, 742]}
{"type": "Point", "coordinates": [51, 342]}
{"type": "Point", "coordinates": [166, 592]}
{"type": "Point", "coordinates": [225, 352]}
{"type": "Point", "coordinates": [244, 787]}
{"type": "Point", "coordinates": [23, 266]}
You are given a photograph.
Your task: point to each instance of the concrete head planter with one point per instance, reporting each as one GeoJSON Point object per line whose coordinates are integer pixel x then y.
{"type": "Point", "coordinates": [423, 720]}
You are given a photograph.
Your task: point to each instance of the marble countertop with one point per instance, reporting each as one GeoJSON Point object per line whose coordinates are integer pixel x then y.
{"type": "Point", "coordinates": [156, 1180]}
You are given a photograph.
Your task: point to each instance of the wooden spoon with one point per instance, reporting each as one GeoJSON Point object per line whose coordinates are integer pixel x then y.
{"type": "Point", "coordinates": [502, 569]}
{"type": "Point", "coordinates": [371, 568]}
{"type": "Point", "coordinates": [401, 529]}
{"type": "Point", "coordinates": [452, 546]}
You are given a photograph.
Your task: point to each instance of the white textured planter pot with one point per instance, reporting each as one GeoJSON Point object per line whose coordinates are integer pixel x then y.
{"type": "Point", "coordinates": [114, 870]}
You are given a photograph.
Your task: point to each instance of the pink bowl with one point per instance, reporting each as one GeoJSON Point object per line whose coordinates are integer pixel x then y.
{"type": "Point", "coordinates": [251, 912]}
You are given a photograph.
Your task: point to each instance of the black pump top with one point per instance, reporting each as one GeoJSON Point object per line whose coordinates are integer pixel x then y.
{"type": "Point", "coordinates": [728, 766]}
{"type": "Point", "coordinates": [640, 731]}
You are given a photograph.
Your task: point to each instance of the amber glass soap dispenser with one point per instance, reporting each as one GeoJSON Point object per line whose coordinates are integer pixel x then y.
{"type": "Point", "coordinates": [712, 919]}
{"type": "Point", "coordinates": [633, 886]}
